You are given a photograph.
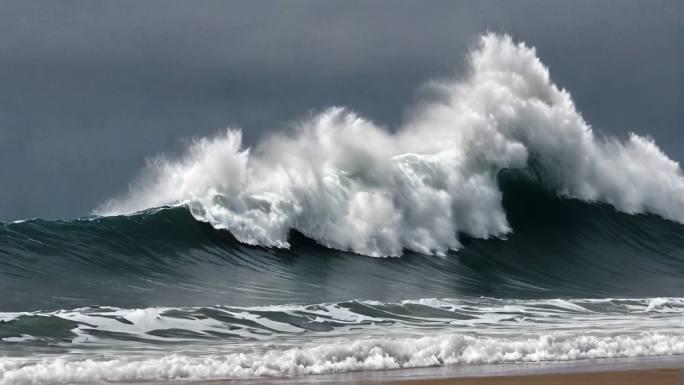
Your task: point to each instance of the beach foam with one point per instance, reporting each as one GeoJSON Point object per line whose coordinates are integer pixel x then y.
{"type": "Point", "coordinates": [368, 354]}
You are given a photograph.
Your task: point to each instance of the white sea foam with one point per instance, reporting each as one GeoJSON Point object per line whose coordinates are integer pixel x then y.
{"type": "Point", "coordinates": [348, 184]}
{"type": "Point", "coordinates": [244, 342]}
{"type": "Point", "coordinates": [105, 327]}
{"type": "Point", "coordinates": [340, 356]}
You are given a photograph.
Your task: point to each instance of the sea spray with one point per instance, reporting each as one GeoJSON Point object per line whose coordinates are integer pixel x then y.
{"type": "Point", "coordinates": [348, 184]}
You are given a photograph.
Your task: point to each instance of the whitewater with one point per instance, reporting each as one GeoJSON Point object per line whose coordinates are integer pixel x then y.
{"type": "Point", "coordinates": [290, 340]}
{"type": "Point", "coordinates": [351, 185]}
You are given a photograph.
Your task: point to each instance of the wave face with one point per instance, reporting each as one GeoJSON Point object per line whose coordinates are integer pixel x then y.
{"type": "Point", "coordinates": [523, 236]}
{"type": "Point", "coordinates": [164, 257]}
{"type": "Point", "coordinates": [350, 185]}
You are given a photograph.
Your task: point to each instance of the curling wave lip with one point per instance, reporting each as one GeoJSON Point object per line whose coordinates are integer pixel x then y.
{"type": "Point", "coordinates": [350, 185]}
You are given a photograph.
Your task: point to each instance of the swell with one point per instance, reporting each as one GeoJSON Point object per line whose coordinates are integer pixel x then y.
{"type": "Point", "coordinates": [559, 247]}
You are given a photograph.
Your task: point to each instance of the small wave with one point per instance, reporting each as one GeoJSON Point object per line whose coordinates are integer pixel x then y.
{"type": "Point", "coordinates": [289, 340]}
{"type": "Point", "coordinates": [207, 327]}
{"type": "Point", "coordinates": [370, 354]}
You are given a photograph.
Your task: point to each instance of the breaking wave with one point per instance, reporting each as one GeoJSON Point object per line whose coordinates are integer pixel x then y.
{"type": "Point", "coordinates": [164, 257]}
{"type": "Point", "coordinates": [351, 185]}
{"type": "Point", "coordinates": [373, 354]}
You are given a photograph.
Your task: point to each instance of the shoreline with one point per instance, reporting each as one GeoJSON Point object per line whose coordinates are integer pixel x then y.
{"type": "Point", "coordinates": [663, 370]}
{"type": "Point", "coordinates": [663, 376]}
{"type": "Point", "coordinates": [670, 376]}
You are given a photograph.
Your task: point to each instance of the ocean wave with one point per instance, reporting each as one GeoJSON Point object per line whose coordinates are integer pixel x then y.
{"type": "Point", "coordinates": [164, 257]}
{"type": "Point", "coordinates": [351, 185]}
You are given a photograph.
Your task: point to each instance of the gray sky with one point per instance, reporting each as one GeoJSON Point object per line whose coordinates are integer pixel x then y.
{"type": "Point", "coordinates": [89, 89]}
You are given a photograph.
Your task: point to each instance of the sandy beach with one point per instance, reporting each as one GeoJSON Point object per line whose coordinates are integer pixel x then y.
{"type": "Point", "coordinates": [624, 377]}
{"type": "Point", "coordinates": [670, 376]}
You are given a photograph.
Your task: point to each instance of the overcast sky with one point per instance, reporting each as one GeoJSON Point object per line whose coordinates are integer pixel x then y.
{"type": "Point", "coordinates": [89, 89]}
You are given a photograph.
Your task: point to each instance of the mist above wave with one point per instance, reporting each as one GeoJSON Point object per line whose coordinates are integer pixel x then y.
{"type": "Point", "coordinates": [351, 185]}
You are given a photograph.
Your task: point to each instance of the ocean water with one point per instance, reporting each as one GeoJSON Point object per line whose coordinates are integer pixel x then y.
{"type": "Point", "coordinates": [494, 226]}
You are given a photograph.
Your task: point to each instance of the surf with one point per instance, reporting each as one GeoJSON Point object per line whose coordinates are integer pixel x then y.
{"type": "Point", "coordinates": [289, 340]}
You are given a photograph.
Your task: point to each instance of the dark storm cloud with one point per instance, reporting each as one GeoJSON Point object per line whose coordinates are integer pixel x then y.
{"type": "Point", "coordinates": [88, 89]}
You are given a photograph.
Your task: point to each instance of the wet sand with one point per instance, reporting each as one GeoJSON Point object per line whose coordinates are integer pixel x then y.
{"type": "Point", "coordinates": [622, 377]}
{"type": "Point", "coordinates": [671, 376]}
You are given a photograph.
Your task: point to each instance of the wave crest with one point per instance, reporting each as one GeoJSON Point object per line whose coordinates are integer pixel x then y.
{"type": "Point", "coordinates": [348, 184]}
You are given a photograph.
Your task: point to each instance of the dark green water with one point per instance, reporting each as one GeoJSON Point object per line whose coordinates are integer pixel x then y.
{"type": "Point", "coordinates": [164, 257]}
